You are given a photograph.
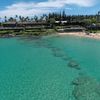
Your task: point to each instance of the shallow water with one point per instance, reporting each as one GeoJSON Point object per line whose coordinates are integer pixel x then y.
{"type": "Point", "coordinates": [38, 69]}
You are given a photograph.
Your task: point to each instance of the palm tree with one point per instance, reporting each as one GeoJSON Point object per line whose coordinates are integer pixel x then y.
{"type": "Point", "coordinates": [36, 18]}
{"type": "Point", "coordinates": [11, 19]}
{"type": "Point", "coordinates": [16, 17]}
{"type": "Point", "coordinates": [98, 16]}
{"type": "Point", "coordinates": [5, 18]}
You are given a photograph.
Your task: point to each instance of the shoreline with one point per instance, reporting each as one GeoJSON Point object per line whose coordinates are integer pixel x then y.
{"type": "Point", "coordinates": [78, 34]}
{"type": "Point", "coordinates": [82, 34]}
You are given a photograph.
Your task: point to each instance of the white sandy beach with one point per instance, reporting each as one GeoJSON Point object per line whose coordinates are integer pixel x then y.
{"type": "Point", "coordinates": [82, 34]}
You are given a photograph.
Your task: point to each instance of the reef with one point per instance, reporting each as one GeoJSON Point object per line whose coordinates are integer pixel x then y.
{"type": "Point", "coordinates": [86, 88]}
{"type": "Point", "coordinates": [58, 54]}
{"type": "Point", "coordinates": [73, 64]}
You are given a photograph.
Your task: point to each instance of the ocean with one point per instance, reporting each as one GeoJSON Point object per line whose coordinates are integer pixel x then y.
{"type": "Point", "coordinates": [49, 68]}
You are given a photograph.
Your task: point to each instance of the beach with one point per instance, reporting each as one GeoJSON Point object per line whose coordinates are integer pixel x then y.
{"type": "Point", "coordinates": [82, 34]}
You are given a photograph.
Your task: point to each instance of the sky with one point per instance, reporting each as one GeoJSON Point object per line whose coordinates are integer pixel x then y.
{"type": "Point", "coordinates": [37, 7]}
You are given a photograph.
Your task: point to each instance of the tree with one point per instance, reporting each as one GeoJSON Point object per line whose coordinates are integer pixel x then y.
{"type": "Point", "coordinates": [51, 21]}
{"type": "Point", "coordinates": [5, 18]}
{"type": "Point", "coordinates": [11, 19]}
{"type": "Point", "coordinates": [36, 18]}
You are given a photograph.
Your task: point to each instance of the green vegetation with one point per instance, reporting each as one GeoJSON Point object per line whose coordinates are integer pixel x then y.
{"type": "Point", "coordinates": [48, 24]}
{"type": "Point", "coordinates": [6, 32]}
{"type": "Point", "coordinates": [37, 32]}
{"type": "Point", "coordinates": [28, 32]}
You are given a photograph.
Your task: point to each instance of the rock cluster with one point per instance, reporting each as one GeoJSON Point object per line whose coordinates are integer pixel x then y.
{"type": "Point", "coordinates": [86, 88]}
{"type": "Point", "coordinates": [73, 64]}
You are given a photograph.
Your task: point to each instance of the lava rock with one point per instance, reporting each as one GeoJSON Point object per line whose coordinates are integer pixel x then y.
{"type": "Point", "coordinates": [73, 64]}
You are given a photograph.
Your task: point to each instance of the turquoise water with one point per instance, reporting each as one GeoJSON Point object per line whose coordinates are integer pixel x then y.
{"type": "Point", "coordinates": [37, 69]}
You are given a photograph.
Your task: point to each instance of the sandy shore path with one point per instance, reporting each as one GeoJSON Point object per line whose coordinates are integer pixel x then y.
{"type": "Point", "coordinates": [82, 34]}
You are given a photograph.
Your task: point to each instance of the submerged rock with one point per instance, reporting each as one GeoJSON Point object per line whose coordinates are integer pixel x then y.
{"type": "Point", "coordinates": [57, 52]}
{"type": "Point", "coordinates": [73, 64]}
{"type": "Point", "coordinates": [86, 88]}
{"type": "Point", "coordinates": [66, 58]}
{"type": "Point", "coordinates": [56, 49]}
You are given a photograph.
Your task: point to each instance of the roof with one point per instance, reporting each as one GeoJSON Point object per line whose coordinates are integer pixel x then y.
{"type": "Point", "coordinates": [24, 22]}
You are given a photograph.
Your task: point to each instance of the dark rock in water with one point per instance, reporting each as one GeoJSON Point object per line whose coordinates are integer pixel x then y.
{"type": "Point", "coordinates": [66, 58]}
{"type": "Point", "coordinates": [58, 52]}
{"type": "Point", "coordinates": [54, 49]}
{"type": "Point", "coordinates": [85, 88]}
{"type": "Point", "coordinates": [73, 64]}
{"type": "Point", "coordinates": [81, 80]}
{"type": "Point", "coordinates": [48, 45]}
{"type": "Point", "coordinates": [30, 38]}
{"type": "Point", "coordinates": [33, 37]}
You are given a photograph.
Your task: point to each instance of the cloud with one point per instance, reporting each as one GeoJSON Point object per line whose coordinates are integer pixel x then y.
{"type": "Point", "coordinates": [33, 8]}
{"type": "Point", "coordinates": [82, 3]}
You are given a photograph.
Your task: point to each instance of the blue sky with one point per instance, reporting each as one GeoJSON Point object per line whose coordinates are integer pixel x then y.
{"type": "Point", "coordinates": [38, 7]}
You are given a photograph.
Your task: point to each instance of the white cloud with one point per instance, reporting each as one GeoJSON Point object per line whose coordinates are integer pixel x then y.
{"type": "Point", "coordinates": [83, 3]}
{"type": "Point", "coordinates": [32, 8]}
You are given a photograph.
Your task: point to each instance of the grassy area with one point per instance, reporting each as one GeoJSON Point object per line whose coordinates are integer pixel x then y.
{"type": "Point", "coordinates": [6, 32]}
{"type": "Point", "coordinates": [36, 32]}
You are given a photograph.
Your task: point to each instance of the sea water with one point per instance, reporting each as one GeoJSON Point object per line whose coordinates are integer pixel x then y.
{"type": "Point", "coordinates": [37, 68]}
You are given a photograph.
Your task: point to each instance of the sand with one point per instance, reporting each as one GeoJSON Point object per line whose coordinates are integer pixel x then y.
{"type": "Point", "coordinates": [82, 34]}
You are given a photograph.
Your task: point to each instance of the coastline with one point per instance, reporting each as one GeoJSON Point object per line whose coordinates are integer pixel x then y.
{"type": "Point", "coordinates": [78, 34]}
{"type": "Point", "coordinates": [81, 34]}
